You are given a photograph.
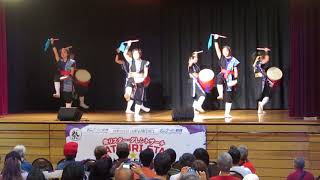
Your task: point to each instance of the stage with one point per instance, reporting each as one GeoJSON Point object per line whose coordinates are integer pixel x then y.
{"type": "Point", "coordinates": [274, 139]}
{"type": "Point", "coordinates": [164, 117]}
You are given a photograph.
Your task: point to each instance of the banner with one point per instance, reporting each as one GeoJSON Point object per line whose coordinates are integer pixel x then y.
{"type": "Point", "coordinates": [181, 138]}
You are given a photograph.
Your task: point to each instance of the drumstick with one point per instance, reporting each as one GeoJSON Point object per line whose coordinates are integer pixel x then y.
{"type": "Point", "coordinates": [264, 49]}
{"type": "Point", "coordinates": [54, 39]}
{"type": "Point", "coordinates": [69, 47]}
{"type": "Point", "coordinates": [219, 35]}
{"type": "Point", "coordinates": [136, 40]}
{"type": "Point", "coordinates": [198, 52]}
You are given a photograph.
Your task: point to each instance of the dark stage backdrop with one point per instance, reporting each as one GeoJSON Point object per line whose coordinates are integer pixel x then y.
{"type": "Point", "coordinates": [168, 30]}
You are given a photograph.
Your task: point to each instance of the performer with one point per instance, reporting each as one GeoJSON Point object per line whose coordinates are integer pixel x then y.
{"type": "Point", "coordinates": [81, 90]}
{"type": "Point", "coordinates": [227, 78]}
{"type": "Point", "coordinates": [264, 86]}
{"type": "Point", "coordinates": [66, 67]}
{"type": "Point", "coordinates": [198, 93]}
{"type": "Point", "coordinates": [138, 71]}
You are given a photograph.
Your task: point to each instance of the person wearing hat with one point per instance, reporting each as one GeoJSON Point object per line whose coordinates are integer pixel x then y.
{"type": "Point", "coordinates": [70, 152]}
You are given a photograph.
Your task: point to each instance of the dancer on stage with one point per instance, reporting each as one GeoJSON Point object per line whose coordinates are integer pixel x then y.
{"type": "Point", "coordinates": [198, 92]}
{"type": "Point", "coordinates": [138, 72]}
{"type": "Point", "coordinates": [227, 78]}
{"type": "Point", "coordinates": [66, 68]}
{"type": "Point", "coordinates": [80, 89]}
{"type": "Point", "coordinates": [264, 86]}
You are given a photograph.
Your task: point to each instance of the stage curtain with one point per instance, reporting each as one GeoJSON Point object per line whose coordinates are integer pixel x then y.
{"type": "Point", "coordinates": [304, 82]}
{"type": "Point", "coordinates": [3, 63]}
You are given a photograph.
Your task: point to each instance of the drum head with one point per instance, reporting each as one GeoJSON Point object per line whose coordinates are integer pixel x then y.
{"type": "Point", "coordinates": [82, 75]}
{"type": "Point", "coordinates": [206, 75]}
{"type": "Point", "coordinates": [274, 73]}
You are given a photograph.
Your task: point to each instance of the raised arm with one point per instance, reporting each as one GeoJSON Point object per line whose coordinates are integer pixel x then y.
{"type": "Point", "coordinates": [125, 53]}
{"type": "Point", "coordinates": [216, 45]}
{"type": "Point", "coordinates": [117, 58]}
{"type": "Point", "coordinates": [55, 51]}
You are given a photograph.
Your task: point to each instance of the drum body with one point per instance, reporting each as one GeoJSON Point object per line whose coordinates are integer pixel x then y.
{"type": "Point", "coordinates": [206, 79]}
{"type": "Point", "coordinates": [274, 75]}
{"type": "Point", "coordinates": [82, 77]}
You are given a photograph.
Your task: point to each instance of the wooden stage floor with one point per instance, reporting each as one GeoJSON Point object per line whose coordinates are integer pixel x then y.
{"type": "Point", "coordinates": [164, 117]}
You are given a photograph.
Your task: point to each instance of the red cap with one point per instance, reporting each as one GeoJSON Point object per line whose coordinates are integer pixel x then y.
{"type": "Point", "coordinates": [71, 149]}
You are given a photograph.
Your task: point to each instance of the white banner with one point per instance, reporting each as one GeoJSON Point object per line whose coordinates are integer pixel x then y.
{"type": "Point", "coordinates": [181, 138]}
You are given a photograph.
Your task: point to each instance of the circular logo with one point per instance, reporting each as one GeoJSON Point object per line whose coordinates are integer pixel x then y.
{"type": "Point", "coordinates": [75, 134]}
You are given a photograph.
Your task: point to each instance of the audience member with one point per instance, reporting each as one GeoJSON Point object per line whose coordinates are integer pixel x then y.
{"type": "Point", "coordinates": [244, 161]}
{"type": "Point", "coordinates": [146, 158]}
{"type": "Point", "coordinates": [99, 151]}
{"type": "Point", "coordinates": [70, 152]}
{"type": "Point", "coordinates": [300, 173]}
{"type": "Point", "coordinates": [35, 174]}
{"type": "Point", "coordinates": [185, 160]}
{"type": "Point", "coordinates": [21, 150]}
{"type": "Point", "coordinates": [73, 171]}
{"type": "Point", "coordinates": [224, 163]}
{"type": "Point", "coordinates": [100, 170]}
{"type": "Point", "coordinates": [236, 168]}
{"type": "Point", "coordinates": [12, 167]}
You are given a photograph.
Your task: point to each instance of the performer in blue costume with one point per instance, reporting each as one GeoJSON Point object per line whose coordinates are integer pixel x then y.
{"type": "Point", "coordinates": [227, 79]}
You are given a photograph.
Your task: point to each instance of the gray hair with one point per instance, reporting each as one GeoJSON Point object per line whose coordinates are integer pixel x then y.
{"type": "Point", "coordinates": [225, 162]}
{"type": "Point", "coordinates": [299, 162]}
{"type": "Point", "coordinates": [189, 176]}
{"type": "Point", "coordinates": [20, 149]}
{"type": "Point", "coordinates": [243, 152]}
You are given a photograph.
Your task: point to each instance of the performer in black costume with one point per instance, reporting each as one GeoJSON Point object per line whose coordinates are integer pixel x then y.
{"type": "Point", "coordinates": [263, 85]}
{"type": "Point", "coordinates": [198, 93]}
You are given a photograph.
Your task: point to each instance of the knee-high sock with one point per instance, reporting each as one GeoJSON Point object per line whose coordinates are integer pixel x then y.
{"type": "Point", "coordinates": [227, 108]}
{"type": "Point", "coordinates": [264, 101]}
{"type": "Point", "coordinates": [129, 105]}
{"type": "Point", "coordinates": [57, 87]}
{"type": "Point", "coordinates": [137, 108]}
{"type": "Point", "coordinates": [68, 105]}
{"type": "Point", "coordinates": [220, 90]}
{"type": "Point", "coordinates": [200, 101]}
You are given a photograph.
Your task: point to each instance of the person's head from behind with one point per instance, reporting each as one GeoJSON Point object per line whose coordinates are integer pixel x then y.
{"type": "Point", "coordinates": [136, 54]}
{"type": "Point", "coordinates": [99, 151]}
{"type": "Point", "coordinates": [73, 171]}
{"type": "Point", "coordinates": [299, 163]}
{"type": "Point", "coordinates": [101, 168]}
{"type": "Point", "coordinates": [202, 154]}
{"type": "Point", "coordinates": [235, 154]}
{"type": "Point", "coordinates": [162, 164]}
{"type": "Point", "coordinates": [186, 159]}
{"type": "Point", "coordinates": [263, 56]}
{"type": "Point", "coordinates": [189, 176]}
{"type": "Point", "coordinates": [123, 174]}
{"type": "Point", "coordinates": [122, 150]}
{"type": "Point", "coordinates": [70, 150]}
{"type": "Point", "coordinates": [35, 174]}
{"type": "Point", "coordinates": [12, 166]}
{"type": "Point", "coordinates": [172, 153]}
{"type": "Point", "coordinates": [65, 53]}
{"type": "Point", "coordinates": [146, 157]}
{"type": "Point", "coordinates": [224, 162]}
{"type": "Point", "coordinates": [21, 150]}
{"type": "Point", "coordinates": [199, 165]}
{"type": "Point", "coordinates": [226, 51]}
{"type": "Point", "coordinates": [243, 153]}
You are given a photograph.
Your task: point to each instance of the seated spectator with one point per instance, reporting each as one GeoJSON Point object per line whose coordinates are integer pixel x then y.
{"type": "Point", "coordinates": [122, 173]}
{"type": "Point", "coordinates": [202, 154]}
{"type": "Point", "coordinates": [224, 164]}
{"type": "Point", "coordinates": [12, 167]}
{"type": "Point", "coordinates": [189, 176]}
{"type": "Point", "coordinates": [200, 166]}
{"type": "Point", "coordinates": [162, 165]}
{"type": "Point", "coordinates": [236, 168]}
{"type": "Point", "coordinates": [73, 171]}
{"type": "Point", "coordinates": [122, 152]}
{"type": "Point", "coordinates": [70, 152]}
{"type": "Point", "coordinates": [173, 157]}
{"type": "Point", "coordinates": [35, 174]}
{"type": "Point", "coordinates": [300, 173]}
{"type": "Point", "coordinates": [244, 161]}
{"type": "Point", "coordinates": [101, 169]}
{"type": "Point", "coordinates": [99, 151]}
{"type": "Point", "coordinates": [21, 150]}
{"type": "Point", "coordinates": [185, 160]}
{"type": "Point", "coordinates": [146, 158]}
{"type": "Point", "coordinates": [251, 177]}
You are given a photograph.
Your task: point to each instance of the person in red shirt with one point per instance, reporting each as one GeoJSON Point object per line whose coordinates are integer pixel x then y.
{"type": "Point", "coordinates": [224, 164]}
{"type": "Point", "coordinates": [300, 173]}
{"type": "Point", "coordinates": [244, 161]}
{"type": "Point", "coordinates": [146, 157]}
